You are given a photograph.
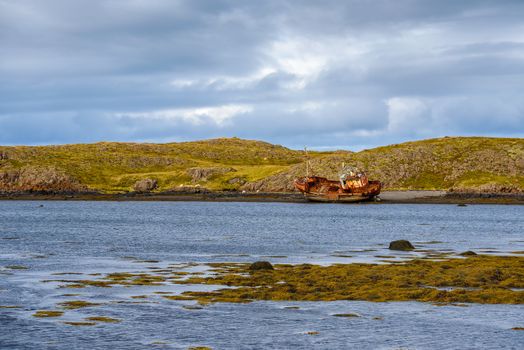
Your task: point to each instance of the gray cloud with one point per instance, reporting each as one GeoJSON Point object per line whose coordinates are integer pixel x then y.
{"type": "Point", "coordinates": [327, 74]}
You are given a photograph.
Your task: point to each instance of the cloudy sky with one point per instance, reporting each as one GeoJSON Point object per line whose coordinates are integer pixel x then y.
{"type": "Point", "coordinates": [326, 74]}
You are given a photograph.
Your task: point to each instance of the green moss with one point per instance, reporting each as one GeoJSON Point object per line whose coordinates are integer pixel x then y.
{"type": "Point", "coordinates": [48, 313]}
{"type": "Point", "coordinates": [77, 304]}
{"type": "Point", "coordinates": [97, 283]}
{"type": "Point", "coordinates": [472, 179]}
{"type": "Point", "coordinates": [426, 180]}
{"type": "Point", "coordinates": [74, 286]}
{"type": "Point", "coordinates": [139, 297]}
{"type": "Point", "coordinates": [478, 279]}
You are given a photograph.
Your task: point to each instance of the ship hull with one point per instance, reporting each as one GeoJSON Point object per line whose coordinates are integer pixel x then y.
{"type": "Point", "coordinates": [320, 189]}
{"type": "Point", "coordinates": [337, 198]}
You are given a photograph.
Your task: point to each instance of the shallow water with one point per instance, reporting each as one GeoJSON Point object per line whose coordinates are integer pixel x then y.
{"type": "Point", "coordinates": [104, 237]}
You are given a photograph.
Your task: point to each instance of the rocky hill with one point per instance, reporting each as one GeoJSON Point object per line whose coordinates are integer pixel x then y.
{"type": "Point", "coordinates": [475, 164]}
{"type": "Point", "coordinates": [472, 164]}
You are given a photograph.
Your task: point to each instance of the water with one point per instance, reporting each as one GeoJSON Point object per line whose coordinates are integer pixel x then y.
{"type": "Point", "coordinates": [102, 237]}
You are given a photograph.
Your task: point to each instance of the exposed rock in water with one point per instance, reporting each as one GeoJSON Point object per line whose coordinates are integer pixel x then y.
{"type": "Point", "coordinates": [468, 253]}
{"type": "Point", "coordinates": [261, 265]}
{"type": "Point", "coordinates": [145, 185]}
{"type": "Point", "coordinates": [401, 244]}
{"type": "Point", "coordinates": [346, 315]}
{"type": "Point", "coordinates": [38, 179]}
{"type": "Point", "coordinates": [204, 174]}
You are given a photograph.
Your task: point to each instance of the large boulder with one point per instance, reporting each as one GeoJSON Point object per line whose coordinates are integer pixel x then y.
{"type": "Point", "coordinates": [401, 244]}
{"type": "Point", "coordinates": [468, 253]}
{"type": "Point", "coordinates": [261, 265]}
{"type": "Point", "coordinates": [145, 185]}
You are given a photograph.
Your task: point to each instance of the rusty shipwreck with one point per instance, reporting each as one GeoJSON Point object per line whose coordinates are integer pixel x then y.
{"type": "Point", "coordinates": [353, 186]}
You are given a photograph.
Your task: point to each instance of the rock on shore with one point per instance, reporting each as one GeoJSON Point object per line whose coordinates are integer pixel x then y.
{"type": "Point", "coordinates": [145, 185]}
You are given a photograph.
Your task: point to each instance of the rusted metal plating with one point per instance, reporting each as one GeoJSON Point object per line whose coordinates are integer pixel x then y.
{"type": "Point", "coordinates": [353, 186]}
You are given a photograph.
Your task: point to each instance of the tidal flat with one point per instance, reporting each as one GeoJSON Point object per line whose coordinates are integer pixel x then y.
{"type": "Point", "coordinates": [177, 276]}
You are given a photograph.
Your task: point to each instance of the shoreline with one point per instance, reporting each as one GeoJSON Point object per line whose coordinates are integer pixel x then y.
{"type": "Point", "coordinates": [386, 197]}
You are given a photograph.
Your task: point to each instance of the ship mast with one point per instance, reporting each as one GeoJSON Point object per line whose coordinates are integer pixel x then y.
{"type": "Point", "coordinates": [307, 162]}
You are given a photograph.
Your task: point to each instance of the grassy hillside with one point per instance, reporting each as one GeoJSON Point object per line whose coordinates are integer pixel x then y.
{"type": "Point", "coordinates": [480, 164]}
{"type": "Point", "coordinates": [115, 167]}
{"type": "Point", "coordinates": [456, 163]}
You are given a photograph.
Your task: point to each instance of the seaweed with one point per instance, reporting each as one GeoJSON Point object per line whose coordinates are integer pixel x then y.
{"type": "Point", "coordinates": [48, 313]}
{"type": "Point", "coordinates": [102, 319]}
{"type": "Point", "coordinates": [77, 304]}
{"type": "Point", "coordinates": [80, 323]}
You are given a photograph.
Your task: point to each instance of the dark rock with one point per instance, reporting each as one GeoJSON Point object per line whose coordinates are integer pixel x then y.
{"type": "Point", "coordinates": [261, 265]}
{"type": "Point", "coordinates": [462, 205]}
{"type": "Point", "coordinates": [145, 185]}
{"type": "Point", "coordinates": [401, 245]}
{"type": "Point", "coordinates": [468, 253]}
{"type": "Point", "coordinates": [346, 315]}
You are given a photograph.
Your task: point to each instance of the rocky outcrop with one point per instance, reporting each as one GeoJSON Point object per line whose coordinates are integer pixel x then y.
{"type": "Point", "coordinates": [468, 253]}
{"type": "Point", "coordinates": [282, 182]}
{"type": "Point", "coordinates": [204, 174]}
{"type": "Point", "coordinates": [145, 185]}
{"type": "Point", "coordinates": [401, 244]}
{"type": "Point", "coordinates": [471, 165]}
{"type": "Point", "coordinates": [38, 179]}
{"type": "Point", "coordinates": [237, 180]}
{"type": "Point", "coordinates": [261, 265]}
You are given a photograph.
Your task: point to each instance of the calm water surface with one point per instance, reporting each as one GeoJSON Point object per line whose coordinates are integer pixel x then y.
{"type": "Point", "coordinates": [103, 237]}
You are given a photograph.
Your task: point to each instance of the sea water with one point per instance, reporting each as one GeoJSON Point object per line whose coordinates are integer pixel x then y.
{"type": "Point", "coordinates": [40, 239]}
